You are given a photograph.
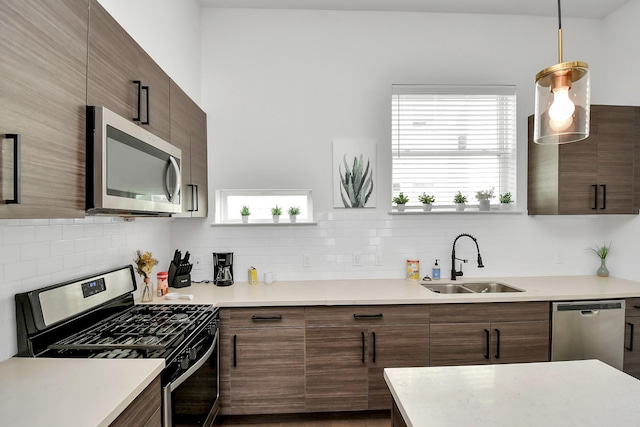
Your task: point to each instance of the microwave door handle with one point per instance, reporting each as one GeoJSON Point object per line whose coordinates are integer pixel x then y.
{"type": "Point", "coordinates": [173, 191]}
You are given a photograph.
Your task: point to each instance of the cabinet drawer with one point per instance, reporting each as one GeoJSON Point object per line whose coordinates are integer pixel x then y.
{"type": "Point", "coordinates": [490, 312]}
{"type": "Point", "coordinates": [266, 317]}
{"type": "Point", "coordinates": [354, 315]}
{"type": "Point", "coordinates": [632, 307]}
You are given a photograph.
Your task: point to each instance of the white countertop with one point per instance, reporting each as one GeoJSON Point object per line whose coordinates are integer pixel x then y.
{"type": "Point", "coordinates": [400, 291]}
{"type": "Point", "coordinates": [576, 393]}
{"type": "Point", "coordinates": [71, 392]}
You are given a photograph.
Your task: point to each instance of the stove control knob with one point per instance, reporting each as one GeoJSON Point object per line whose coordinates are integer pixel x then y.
{"type": "Point", "coordinates": [184, 363]}
{"type": "Point", "coordinates": [192, 354]}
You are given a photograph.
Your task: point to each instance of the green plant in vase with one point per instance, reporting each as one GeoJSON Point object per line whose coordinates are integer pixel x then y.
{"type": "Point", "coordinates": [427, 201]}
{"type": "Point", "coordinates": [245, 212]}
{"type": "Point", "coordinates": [602, 252]}
{"type": "Point", "coordinates": [459, 199]}
{"type": "Point", "coordinates": [400, 200]}
{"type": "Point", "coordinates": [484, 199]}
{"type": "Point", "coordinates": [293, 212]}
{"type": "Point", "coordinates": [276, 211]}
{"type": "Point", "coordinates": [505, 201]}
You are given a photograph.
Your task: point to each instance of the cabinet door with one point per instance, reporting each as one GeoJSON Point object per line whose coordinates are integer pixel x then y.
{"type": "Point", "coordinates": [42, 99]}
{"type": "Point", "coordinates": [394, 347]}
{"type": "Point", "coordinates": [453, 344]}
{"type": "Point", "coordinates": [632, 346]}
{"type": "Point", "coordinates": [519, 342]}
{"type": "Point", "coordinates": [267, 370]}
{"type": "Point", "coordinates": [116, 61]}
{"type": "Point", "coordinates": [199, 171]}
{"type": "Point", "coordinates": [336, 369]}
{"type": "Point", "coordinates": [616, 143]}
{"type": "Point", "coordinates": [578, 173]}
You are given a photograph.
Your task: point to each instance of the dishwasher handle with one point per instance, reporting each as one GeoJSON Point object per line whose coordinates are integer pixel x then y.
{"type": "Point", "coordinates": [587, 307]}
{"type": "Point", "coordinates": [589, 313]}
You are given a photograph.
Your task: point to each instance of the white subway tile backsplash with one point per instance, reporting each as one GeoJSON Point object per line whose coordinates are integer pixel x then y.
{"type": "Point", "coordinates": [18, 235]}
{"type": "Point", "coordinates": [31, 251]}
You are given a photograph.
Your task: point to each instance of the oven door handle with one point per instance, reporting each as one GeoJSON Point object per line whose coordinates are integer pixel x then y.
{"type": "Point", "coordinates": [175, 384]}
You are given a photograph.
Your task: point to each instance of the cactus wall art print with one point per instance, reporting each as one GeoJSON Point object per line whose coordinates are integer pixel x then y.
{"type": "Point", "coordinates": [354, 166]}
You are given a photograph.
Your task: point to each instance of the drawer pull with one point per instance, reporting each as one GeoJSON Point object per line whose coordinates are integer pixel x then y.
{"type": "Point", "coordinates": [487, 343]}
{"type": "Point", "coordinates": [373, 334]}
{"type": "Point", "coordinates": [630, 348]}
{"type": "Point", "coordinates": [235, 357]}
{"type": "Point", "coordinates": [16, 168]}
{"type": "Point", "coordinates": [367, 316]}
{"type": "Point", "coordinates": [497, 343]}
{"type": "Point", "coordinates": [267, 318]}
{"type": "Point", "coordinates": [363, 355]}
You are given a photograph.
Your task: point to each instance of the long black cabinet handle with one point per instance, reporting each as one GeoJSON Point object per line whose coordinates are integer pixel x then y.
{"type": "Point", "coordinates": [497, 343]}
{"type": "Point", "coordinates": [373, 335]}
{"type": "Point", "coordinates": [595, 192]}
{"type": "Point", "coordinates": [363, 358]}
{"type": "Point", "coordinates": [260, 318]}
{"type": "Point", "coordinates": [196, 201]}
{"type": "Point", "coordinates": [637, 307]}
{"type": "Point", "coordinates": [487, 343]}
{"type": "Point", "coordinates": [630, 348]}
{"type": "Point", "coordinates": [604, 196]}
{"type": "Point", "coordinates": [193, 204]}
{"type": "Point", "coordinates": [367, 316]}
{"type": "Point", "coordinates": [138, 83]}
{"type": "Point", "coordinates": [16, 169]}
{"type": "Point", "coordinates": [146, 89]}
{"type": "Point", "coordinates": [235, 357]}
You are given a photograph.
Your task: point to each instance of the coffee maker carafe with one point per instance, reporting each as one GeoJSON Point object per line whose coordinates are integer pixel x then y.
{"type": "Point", "coordinates": [223, 268]}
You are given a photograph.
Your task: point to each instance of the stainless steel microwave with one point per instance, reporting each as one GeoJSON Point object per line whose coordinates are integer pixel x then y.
{"type": "Point", "coordinates": [130, 171]}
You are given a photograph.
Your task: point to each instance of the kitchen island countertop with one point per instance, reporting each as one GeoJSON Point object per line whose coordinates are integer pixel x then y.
{"type": "Point", "coordinates": [400, 291]}
{"type": "Point", "coordinates": [71, 392]}
{"type": "Point", "coordinates": [574, 393]}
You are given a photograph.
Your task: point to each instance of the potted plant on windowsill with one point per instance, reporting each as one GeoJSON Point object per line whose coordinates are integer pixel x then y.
{"type": "Point", "coordinates": [400, 200]}
{"type": "Point", "coordinates": [505, 201]}
{"type": "Point", "coordinates": [427, 201]}
{"type": "Point", "coordinates": [276, 211]}
{"type": "Point", "coordinates": [293, 211]}
{"type": "Point", "coordinates": [484, 198]}
{"type": "Point", "coordinates": [245, 214]}
{"type": "Point", "coordinates": [459, 199]}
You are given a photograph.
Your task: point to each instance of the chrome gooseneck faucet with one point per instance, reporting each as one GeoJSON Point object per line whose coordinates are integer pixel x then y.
{"type": "Point", "coordinates": [454, 272]}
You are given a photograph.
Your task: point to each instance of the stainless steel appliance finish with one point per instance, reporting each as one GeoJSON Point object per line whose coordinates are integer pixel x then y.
{"type": "Point", "coordinates": [588, 330]}
{"type": "Point", "coordinates": [129, 170]}
{"type": "Point", "coordinates": [99, 319]}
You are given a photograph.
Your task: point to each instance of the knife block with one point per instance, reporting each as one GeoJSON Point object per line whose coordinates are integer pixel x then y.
{"type": "Point", "coordinates": [178, 280]}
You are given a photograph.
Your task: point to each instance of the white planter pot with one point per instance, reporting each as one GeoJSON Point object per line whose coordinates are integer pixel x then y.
{"type": "Point", "coordinates": [485, 205]}
{"type": "Point", "coordinates": [460, 207]}
{"type": "Point", "coordinates": [400, 207]}
{"type": "Point", "coordinates": [276, 219]}
{"type": "Point", "coordinates": [427, 207]}
{"type": "Point", "coordinates": [505, 206]}
{"type": "Point", "coordinates": [245, 219]}
{"type": "Point", "coordinates": [292, 218]}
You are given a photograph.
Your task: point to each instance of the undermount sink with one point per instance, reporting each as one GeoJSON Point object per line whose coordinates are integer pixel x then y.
{"type": "Point", "coordinates": [446, 288]}
{"type": "Point", "coordinates": [469, 288]}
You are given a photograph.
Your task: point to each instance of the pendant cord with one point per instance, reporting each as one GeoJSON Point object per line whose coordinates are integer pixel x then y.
{"type": "Point", "coordinates": [559, 34]}
{"type": "Point", "coordinates": [559, 16]}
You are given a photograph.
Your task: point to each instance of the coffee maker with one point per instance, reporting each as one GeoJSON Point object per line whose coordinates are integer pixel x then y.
{"type": "Point", "coordinates": [223, 268]}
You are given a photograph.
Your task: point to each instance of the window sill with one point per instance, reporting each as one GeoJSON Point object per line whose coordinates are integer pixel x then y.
{"type": "Point", "coordinates": [262, 224]}
{"type": "Point", "coordinates": [469, 211]}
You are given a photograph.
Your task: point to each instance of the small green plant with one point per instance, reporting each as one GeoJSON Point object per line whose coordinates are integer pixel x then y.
{"type": "Point", "coordinates": [400, 199]}
{"type": "Point", "coordinates": [294, 210]}
{"type": "Point", "coordinates": [459, 198]}
{"type": "Point", "coordinates": [484, 194]}
{"type": "Point", "coordinates": [426, 199]}
{"type": "Point", "coordinates": [506, 198]}
{"type": "Point", "coordinates": [276, 210]}
{"type": "Point", "coordinates": [601, 251]}
{"type": "Point", "coordinates": [245, 210]}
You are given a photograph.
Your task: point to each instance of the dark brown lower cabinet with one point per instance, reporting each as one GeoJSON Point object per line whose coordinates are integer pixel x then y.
{"type": "Point", "coordinates": [144, 411]}
{"type": "Point", "coordinates": [631, 364]}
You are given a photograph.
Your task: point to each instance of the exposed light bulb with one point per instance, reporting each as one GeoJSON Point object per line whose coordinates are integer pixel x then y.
{"type": "Point", "coordinates": [561, 110]}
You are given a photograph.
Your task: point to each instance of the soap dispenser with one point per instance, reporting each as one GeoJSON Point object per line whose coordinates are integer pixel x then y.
{"type": "Point", "coordinates": [435, 271]}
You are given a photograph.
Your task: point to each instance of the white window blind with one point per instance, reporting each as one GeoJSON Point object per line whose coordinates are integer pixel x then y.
{"type": "Point", "coordinates": [447, 139]}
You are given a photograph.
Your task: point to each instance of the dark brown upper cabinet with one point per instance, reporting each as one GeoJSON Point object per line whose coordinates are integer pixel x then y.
{"type": "Point", "coordinates": [122, 76]}
{"type": "Point", "coordinates": [189, 133]}
{"type": "Point", "coordinates": [599, 175]}
{"type": "Point", "coordinates": [42, 105]}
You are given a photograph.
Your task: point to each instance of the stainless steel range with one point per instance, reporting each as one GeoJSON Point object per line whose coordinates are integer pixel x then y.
{"type": "Point", "coordinates": [95, 317]}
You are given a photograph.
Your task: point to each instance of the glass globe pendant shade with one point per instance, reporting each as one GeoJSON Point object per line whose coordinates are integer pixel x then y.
{"type": "Point", "coordinates": [562, 104]}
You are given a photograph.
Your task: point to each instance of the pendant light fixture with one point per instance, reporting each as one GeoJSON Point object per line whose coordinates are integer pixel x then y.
{"type": "Point", "coordinates": [562, 100]}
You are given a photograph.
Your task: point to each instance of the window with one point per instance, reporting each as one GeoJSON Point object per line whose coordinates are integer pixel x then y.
{"type": "Point", "coordinates": [447, 139]}
{"type": "Point", "coordinates": [230, 202]}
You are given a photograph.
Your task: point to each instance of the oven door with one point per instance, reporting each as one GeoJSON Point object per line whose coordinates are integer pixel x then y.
{"type": "Point", "coordinates": [192, 398]}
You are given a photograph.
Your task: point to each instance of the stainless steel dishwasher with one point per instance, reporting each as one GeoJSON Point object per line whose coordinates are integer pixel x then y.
{"type": "Point", "coordinates": [588, 330]}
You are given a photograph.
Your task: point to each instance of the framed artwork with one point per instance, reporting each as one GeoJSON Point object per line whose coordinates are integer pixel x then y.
{"type": "Point", "coordinates": [354, 173]}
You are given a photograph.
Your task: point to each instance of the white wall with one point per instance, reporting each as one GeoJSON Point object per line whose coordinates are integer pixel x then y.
{"type": "Point", "coordinates": [169, 31]}
{"type": "Point", "coordinates": [280, 85]}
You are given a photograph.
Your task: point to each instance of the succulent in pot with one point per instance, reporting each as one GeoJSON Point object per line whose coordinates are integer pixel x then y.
{"type": "Point", "coordinates": [293, 212]}
{"type": "Point", "coordinates": [505, 201]}
{"type": "Point", "coordinates": [245, 212]}
{"type": "Point", "coordinates": [400, 200]}
{"type": "Point", "coordinates": [276, 211]}
{"type": "Point", "coordinates": [427, 201]}
{"type": "Point", "coordinates": [460, 200]}
{"type": "Point", "coordinates": [484, 198]}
